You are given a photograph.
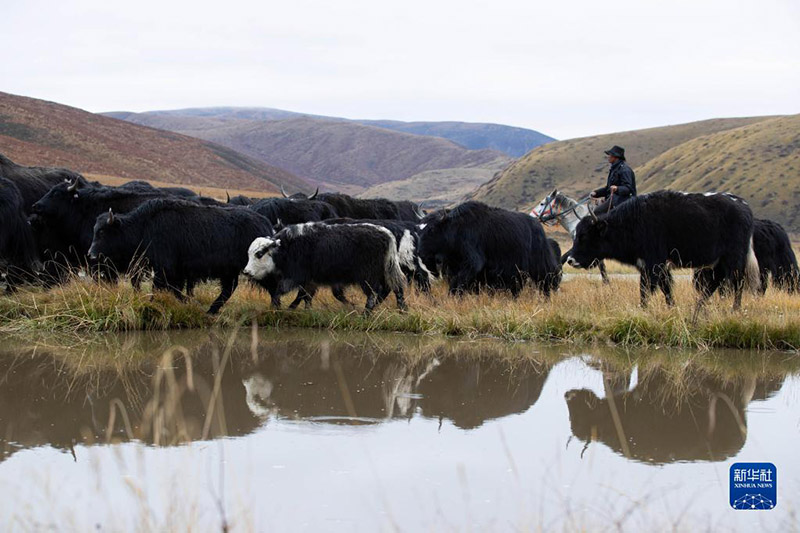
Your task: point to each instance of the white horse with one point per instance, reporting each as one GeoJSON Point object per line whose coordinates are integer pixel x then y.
{"type": "Point", "coordinates": [559, 208]}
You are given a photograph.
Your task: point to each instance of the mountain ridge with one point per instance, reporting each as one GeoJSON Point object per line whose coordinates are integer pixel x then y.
{"type": "Point", "coordinates": [38, 132]}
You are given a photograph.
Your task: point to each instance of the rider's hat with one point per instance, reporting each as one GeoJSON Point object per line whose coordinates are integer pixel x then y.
{"type": "Point", "coordinates": [616, 151]}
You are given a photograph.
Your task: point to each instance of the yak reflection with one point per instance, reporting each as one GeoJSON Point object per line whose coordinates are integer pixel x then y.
{"type": "Point", "coordinates": [339, 386]}
{"type": "Point", "coordinates": [664, 418]}
{"type": "Point", "coordinates": [205, 387]}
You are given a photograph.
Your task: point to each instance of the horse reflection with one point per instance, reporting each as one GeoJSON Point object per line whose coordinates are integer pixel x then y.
{"type": "Point", "coordinates": [659, 421]}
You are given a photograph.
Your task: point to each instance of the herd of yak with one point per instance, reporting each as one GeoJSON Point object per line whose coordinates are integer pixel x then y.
{"type": "Point", "coordinates": [55, 223]}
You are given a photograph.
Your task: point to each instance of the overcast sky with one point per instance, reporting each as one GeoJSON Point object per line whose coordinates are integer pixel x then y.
{"type": "Point", "coordinates": [565, 68]}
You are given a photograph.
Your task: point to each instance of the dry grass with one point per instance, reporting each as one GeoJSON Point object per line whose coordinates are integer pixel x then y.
{"type": "Point", "coordinates": [582, 311]}
{"type": "Point", "coordinates": [577, 166]}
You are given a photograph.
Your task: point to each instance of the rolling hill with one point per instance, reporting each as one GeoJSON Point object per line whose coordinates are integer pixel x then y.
{"type": "Point", "coordinates": [759, 162]}
{"type": "Point", "coordinates": [514, 142]}
{"type": "Point", "coordinates": [577, 166]}
{"type": "Point", "coordinates": [438, 188]}
{"type": "Point", "coordinates": [36, 132]}
{"type": "Point", "coordinates": [336, 154]}
{"type": "Point", "coordinates": [510, 140]}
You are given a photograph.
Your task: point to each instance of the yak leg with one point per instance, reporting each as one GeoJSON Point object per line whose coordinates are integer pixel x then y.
{"type": "Point", "coordinates": [372, 297]}
{"type": "Point", "coordinates": [764, 276]}
{"type": "Point", "coordinates": [190, 283]}
{"type": "Point", "coordinates": [603, 274]}
{"type": "Point", "coordinates": [381, 294]}
{"type": "Point", "coordinates": [136, 279]}
{"type": "Point", "coordinates": [466, 277]}
{"type": "Point", "coordinates": [399, 296]}
{"type": "Point", "coordinates": [664, 279]}
{"type": "Point", "coordinates": [338, 293]}
{"type": "Point", "coordinates": [738, 289]}
{"type": "Point", "coordinates": [228, 286]}
{"type": "Point", "coordinates": [708, 281]}
{"type": "Point", "coordinates": [270, 285]}
{"type": "Point", "coordinates": [645, 285]}
{"type": "Point", "coordinates": [422, 280]}
{"type": "Point", "coordinates": [305, 294]}
{"type": "Point", "coordinates": [164, 282]}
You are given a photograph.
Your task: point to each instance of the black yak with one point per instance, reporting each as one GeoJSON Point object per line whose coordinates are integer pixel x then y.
{"type": "Point", "coordinates": [182, 242]}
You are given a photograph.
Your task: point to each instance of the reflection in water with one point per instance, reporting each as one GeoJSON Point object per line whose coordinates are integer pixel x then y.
{"type": "Point", "coordinates": [352, 384]}
{"type": "Point", "coordinates": [416, 433]}
{"type": "Point", "coordinates": [667, 417]}
{"type": "Point", "coordinates": [666, 409]}
{"type": "Point", "coordinates": [64, 396]}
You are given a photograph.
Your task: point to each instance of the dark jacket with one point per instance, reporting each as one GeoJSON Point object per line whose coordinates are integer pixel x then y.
{"type": "Point", "coordinates": [623, 177]}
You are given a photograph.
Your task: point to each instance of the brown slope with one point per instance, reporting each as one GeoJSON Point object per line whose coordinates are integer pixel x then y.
{"type": "Point", "coordinates": [759, 162]}
{"type": "Point", "coordinates": [337, 153]}
{"type": "Point", "coordinates": [36, 132]}
{"type": "Point", "coordinates": [577, 166]}
{"type": "Point", "coordinates": [438, 188]}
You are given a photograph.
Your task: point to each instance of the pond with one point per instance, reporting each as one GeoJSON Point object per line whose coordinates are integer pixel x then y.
{"type": "Point", "coordinates": [318, 431]}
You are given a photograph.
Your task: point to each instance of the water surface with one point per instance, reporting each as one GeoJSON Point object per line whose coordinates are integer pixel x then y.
{"type": "Point", "coordinates": [299, 430]}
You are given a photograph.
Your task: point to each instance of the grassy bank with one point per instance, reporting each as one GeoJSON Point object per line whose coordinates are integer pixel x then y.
{"type": "Point", "coordinates": [582, 311]}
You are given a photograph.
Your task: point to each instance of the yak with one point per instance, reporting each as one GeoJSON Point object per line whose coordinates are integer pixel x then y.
{"type": "Point", "coordinates": [377, 208]}
{"type": "Point", "coordinates": [476, 246]}
{"type": "Point", "coordinates": [18, 254]}
{"type": "Point", "coordinates": [182, 242]}
{"type": "Point", "coordinates": [311, 254]}
{"type": "Point", "coordinates": [63, 220]}
{"type": "Point", "coordinates": [34, 182]}
{"type": "Point", "coordinates": [663, 228]}
{"type": "Point", "coordinates": [775, 256]}
{"type": "Point", "coordinates": [289, 211]}
{"type": "Point", "coordinates": [406, 235]}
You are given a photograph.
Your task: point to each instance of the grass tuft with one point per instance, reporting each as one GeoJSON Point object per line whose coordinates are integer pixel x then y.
{"type": "Point", "coordinates": [583, 311]}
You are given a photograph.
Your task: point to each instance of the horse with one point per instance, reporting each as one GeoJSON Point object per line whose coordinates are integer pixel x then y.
{"type": "Point", "coordinates": [558, 208]}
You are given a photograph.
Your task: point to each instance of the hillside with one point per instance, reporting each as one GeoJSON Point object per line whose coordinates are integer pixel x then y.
{"type": "Point", "coordinates": [510, 140]}
{"type": "Point", "coordinates": [759, 162]}
{"type": "Point", "coordinates": [36, 132]}
{"type": "Point", "coordinates": [577, 166]}
{"type": "Point", "coordinates": [334, 153]}
{"type": "Point", "coordinates": [438, 188]}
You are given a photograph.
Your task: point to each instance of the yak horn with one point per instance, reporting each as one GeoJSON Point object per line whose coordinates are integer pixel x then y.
{"type": "Point", "coordinates": [73, 186]}
{"type": "Point", "coordinates": [314, 195]}
{"type": "Point", "coordinates": [284, 192]}
{"type": "Point", "coordinates": [228, 196]}
{"type": "Point", "coordinates": [110, 216]}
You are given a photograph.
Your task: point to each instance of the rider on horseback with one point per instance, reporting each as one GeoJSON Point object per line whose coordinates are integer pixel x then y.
{"type": "Point", "coordinates": [621, 183]}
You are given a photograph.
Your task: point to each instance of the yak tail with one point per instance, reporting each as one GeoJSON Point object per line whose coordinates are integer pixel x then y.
{"type": "Point", "coordinates": [392, 272]}
{"type": "Point", "coordinates": [752, 276]}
